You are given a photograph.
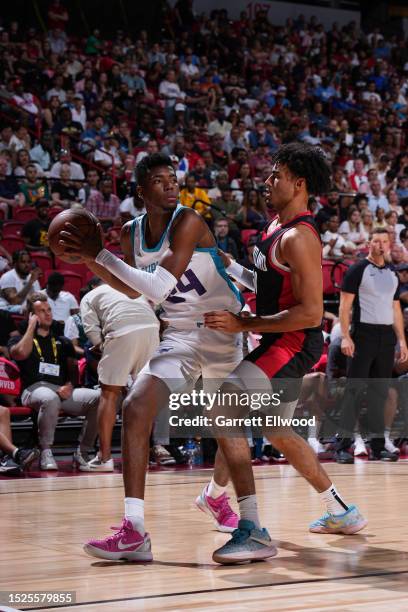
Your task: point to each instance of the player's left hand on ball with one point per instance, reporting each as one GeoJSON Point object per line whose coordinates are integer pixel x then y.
{"type": "Point", "coordinates": [224, 321]}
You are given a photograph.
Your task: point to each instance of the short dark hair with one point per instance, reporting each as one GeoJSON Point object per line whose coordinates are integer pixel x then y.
{"type": "Point", "coordinates": [56, 279]}
{"type": "Point", "coordinates": [308, 162]}
{"type": "Point", "coordinates": [17, 255]}
{"type": "Point", "coordinates": [148, 163]}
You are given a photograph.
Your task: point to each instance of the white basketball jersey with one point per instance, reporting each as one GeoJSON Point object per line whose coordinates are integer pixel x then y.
{"type": "Point", "coordinates": [203, 287]}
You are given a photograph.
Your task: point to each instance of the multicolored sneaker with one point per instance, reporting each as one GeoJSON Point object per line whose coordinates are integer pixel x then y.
{"type": "Point", "coordinates": [126, 544]}
{"type": "Point", "coordinates": [219, 509]}
{"type": "Point", "coordinates": [248, 543]}
{"type": "Point", "coordinates": [348, 523]}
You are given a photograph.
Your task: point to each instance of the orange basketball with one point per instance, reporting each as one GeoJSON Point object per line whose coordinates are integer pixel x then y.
{"type": "Point", "coordinates": [85, 221]}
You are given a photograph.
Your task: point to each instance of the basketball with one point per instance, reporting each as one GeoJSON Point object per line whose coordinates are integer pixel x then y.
{"type": "Point", "coordinates": [85, 221]}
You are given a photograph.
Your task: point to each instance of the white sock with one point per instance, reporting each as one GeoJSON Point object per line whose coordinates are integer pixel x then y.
{"type": "Point", "coordinates": [387, 433]}
{"type": "Point", "coordinates": [134, 512]}
{"type": "Point", "coordinates": [214, 490]}
{"type": "Point", "coordinates": [333, 501]}
{"type": "Point", "coordinates": [248, 509]}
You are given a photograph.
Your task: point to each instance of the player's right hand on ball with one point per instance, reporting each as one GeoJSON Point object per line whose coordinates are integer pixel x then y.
{"type": "Point", "coordinates": [74, 243]}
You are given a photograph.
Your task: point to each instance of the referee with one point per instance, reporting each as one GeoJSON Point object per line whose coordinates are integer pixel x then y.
{"type": "Point", "coordinates": [370, 289]}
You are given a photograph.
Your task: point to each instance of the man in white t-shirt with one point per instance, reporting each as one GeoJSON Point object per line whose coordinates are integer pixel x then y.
{"type": "Point", "coordinates": [63, 303]}
{"type": "Point", "coordinates": [130, 208]}
{"type": "Point", "coordinates": [20, 282]}
{"type": "Point", "coordinates": [334, 244]}
{"type": "Point", "coordinates": [77, 174]}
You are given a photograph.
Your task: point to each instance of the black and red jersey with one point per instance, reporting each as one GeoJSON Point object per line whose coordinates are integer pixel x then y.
{"type": "Point", "coordinates": [273, 280]}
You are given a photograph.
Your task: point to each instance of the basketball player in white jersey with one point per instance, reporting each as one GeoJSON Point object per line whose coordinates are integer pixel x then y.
{"type": "Point", "coordinates": [177, 266]}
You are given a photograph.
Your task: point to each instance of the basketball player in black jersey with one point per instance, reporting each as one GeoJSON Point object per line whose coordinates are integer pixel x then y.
{"type": "Point", "coordinates": [289, 289]}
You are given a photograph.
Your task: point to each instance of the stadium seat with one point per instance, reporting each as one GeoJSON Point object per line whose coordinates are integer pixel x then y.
{"type": "Point", "coordinates": [26, 213]}
{"type": "Point", "coordinates": [44, 261]}
{"type": "Point", "coordinates": [250, 299]}
{"type": "Point", "coordinates": [13, 243]}
{"type": "Point", "coordinates": [54, 211]}
{"type": "Point", "coordinates": [12, 228]}
{"type": "Point", "coordinates": [333, 273]}
{"type": "Point", "coordinates": [80, 269]}
{"type": "Point", "coordinates": [246, 234]}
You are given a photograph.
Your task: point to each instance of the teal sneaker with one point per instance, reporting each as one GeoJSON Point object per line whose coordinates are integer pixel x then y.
{"type": "Point", "coordinates": [348, 523]}
{"type": "Point", "coordinates": [248, 543]}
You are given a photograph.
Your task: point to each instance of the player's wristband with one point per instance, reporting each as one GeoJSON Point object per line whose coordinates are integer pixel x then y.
{"type": "Point", "coordinates": [154, 285]}
{"type": "Point", "coordinates": [241, 274]}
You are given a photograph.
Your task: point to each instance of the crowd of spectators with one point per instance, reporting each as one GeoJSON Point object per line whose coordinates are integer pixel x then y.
{"type": "Point", "coordinates": [219, 97]}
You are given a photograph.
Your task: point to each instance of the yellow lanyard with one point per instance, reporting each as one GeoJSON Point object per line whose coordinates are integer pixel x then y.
{"type": "Point", "coordinates": [54, 349]}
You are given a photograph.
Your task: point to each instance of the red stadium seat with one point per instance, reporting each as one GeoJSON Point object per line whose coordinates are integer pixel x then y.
{"type": "Point", "coordinates": [20, 410]}
{"type": "Point", "coordinates": [44, 261]}
{"type": "Point", "coordinates": [54, 211]}
{"type": "Point", "coordinates": [250, 299]}
{"type": "Point", "coordinates": [80, 269]}
{"type": "Point", "coordinates": [12, 228]}
{"type": "Point", "coordinates": [333, 273]}
{"type": "Point", "coordinates": [246, 234]}
{"type": "Point", "coordinates": [113, 248]}
{"type": "Point", "coordinates": [13, 243]}
{"type": "Point", "coordinates": [26, 213]}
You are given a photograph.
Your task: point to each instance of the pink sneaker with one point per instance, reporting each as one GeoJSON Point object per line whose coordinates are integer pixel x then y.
{"type": "Point", "coordinates": [127, 544]}
{"type": "Point", "coordinates": [219, 509]}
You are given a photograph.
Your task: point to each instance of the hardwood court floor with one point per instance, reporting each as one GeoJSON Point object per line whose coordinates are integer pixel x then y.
{"type": "Point", "coordinates": [45, 521]}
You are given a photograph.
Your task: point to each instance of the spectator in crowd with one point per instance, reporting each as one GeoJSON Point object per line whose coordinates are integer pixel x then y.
{"type": "Point", "coordinates": [377, 199]}
{"type": "Point", "coordinates": [352, 229]}
{"type": "Point", "coordinates": [77, 173]}
{"type": "Point", "coordinates": [108, 155]}
{"type": "Point", "coordinates": [224, 241]}
{"type": "Point", "coordinates": [13, 460]}
{"type": "Point", "coordinates": [8, 189]}
{"type": "Point", "coordinates": [334, 245]}
{"type": "Point", "coordinates": [35, 231]}
{"type": "Point", "coordinates": [254, 214]}
{"type": "Point", "coordinates": [367, 223]}
{"type": "Point", "coordinates": [64, 192]}
{"type": "Point", "coordinates": [114, 324]}
{"type": "Point", "coordinates": [63, 303]}
{"type": "Point", "coordinates": [48, 372]}
{"type": "Point", "coordinates": [402, 271]}
{"type": "Point", "coordinates": [195, 197]}
{"type": "Point", "coordinates": [22, 162]}
{"type": "Point", "coordinates": [227, 206]}
{"type": "Point", "coordinates": [90, 187]}
{"type": "Point", "coordinates": [17, 284]}
{"type": "Point", "coordinates": [130, 208]}
{"type": "Point", "coordinates": [104, 204]}
{"type": "Point", "coordinates": [44, 153]}
{"type": "Point", "coordinates": [380, 222]}
{"type": "Point", "coordinates": [32, 189]}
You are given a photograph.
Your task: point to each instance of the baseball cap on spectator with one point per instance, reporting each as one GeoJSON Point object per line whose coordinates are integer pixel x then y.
{"type": "Point", "coordinates": [78, 96]}
{"type": "Point", "coordinates": [174, 159]}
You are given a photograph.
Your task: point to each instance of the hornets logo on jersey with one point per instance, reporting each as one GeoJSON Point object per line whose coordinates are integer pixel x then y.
{"type": "Point", "coordinates": [204, 286]}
